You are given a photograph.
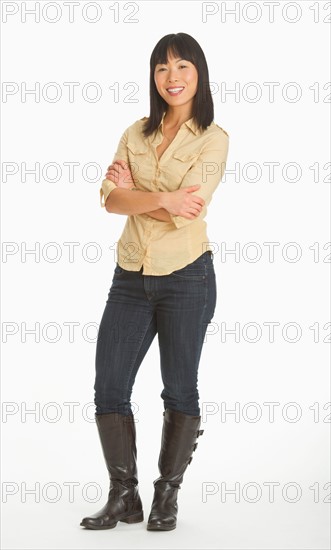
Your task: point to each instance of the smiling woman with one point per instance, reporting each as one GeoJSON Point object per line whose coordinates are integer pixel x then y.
{"type": "Point", "coordinates": [164, 280]}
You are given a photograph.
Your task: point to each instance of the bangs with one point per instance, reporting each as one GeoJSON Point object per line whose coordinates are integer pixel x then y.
{"type": "Point", "coordinates": [172, 45]}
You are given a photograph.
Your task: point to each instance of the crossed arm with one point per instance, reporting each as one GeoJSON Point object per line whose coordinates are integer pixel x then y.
{"type": "Point", "coordinates": [181, 206]}
{"type": "Point", "coordinates": [158, 205]}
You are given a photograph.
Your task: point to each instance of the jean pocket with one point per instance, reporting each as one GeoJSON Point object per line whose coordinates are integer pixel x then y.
{"type": "Point", "coordinates": [191, 272]}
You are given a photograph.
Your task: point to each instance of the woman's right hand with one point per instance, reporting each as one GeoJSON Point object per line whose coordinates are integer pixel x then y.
{"type": "Point", "coordinates": [183, 203]}
{"type": "Point", "coordinates": [120, 174]}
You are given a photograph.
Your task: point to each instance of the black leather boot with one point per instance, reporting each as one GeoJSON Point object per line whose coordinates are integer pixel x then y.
{"type": "Point", "coordinates": [179, 439]}
{"type": "Point", "coordinates": [118, 439]}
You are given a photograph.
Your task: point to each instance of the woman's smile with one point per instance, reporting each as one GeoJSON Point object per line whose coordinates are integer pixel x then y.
{"type": "Point", "coordinates": [175, 91]}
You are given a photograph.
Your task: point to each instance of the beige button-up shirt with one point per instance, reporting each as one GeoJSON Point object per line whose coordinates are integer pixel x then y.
{"type": "Point", "coordinates": [193, 157]}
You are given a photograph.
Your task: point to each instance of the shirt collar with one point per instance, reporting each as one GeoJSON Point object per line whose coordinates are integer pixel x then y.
{"type": "Point", "coordinates": [190, 123]}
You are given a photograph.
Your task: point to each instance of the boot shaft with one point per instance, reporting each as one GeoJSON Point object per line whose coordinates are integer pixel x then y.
{"type": "Point", "coordinates": [117, 434]}
{"type": "Point", "coordinates": [179, 440]}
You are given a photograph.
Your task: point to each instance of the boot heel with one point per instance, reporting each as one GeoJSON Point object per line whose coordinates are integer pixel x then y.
{"type": "Point", "coordinates": [136, 518]}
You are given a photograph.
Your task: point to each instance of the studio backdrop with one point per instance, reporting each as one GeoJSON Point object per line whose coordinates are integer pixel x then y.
{"type": "Point", "coordinates": [75, 75]}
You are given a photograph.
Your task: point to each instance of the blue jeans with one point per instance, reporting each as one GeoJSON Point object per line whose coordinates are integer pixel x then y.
{"type": "Point", "coordinates": [178, 307]}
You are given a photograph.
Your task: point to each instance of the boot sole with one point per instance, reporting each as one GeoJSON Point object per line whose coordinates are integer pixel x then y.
{"type": "Point", "coordinates": [135, 518]}
{"type": "Point", "coordinates": [151, 527]}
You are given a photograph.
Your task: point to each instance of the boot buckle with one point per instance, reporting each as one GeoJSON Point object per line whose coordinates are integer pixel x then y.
{"type": "Point", "coordinates": [200, 432]}
{"type": "Point", "coordinates": [195, 446]}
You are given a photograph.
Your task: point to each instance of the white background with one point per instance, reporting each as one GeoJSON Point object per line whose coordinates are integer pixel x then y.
{"type": "Point", "coordinates": [46, 452]}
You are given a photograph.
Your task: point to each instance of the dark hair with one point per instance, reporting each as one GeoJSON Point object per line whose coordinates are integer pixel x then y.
{"type": "Point", "coordinates": [186, 47]}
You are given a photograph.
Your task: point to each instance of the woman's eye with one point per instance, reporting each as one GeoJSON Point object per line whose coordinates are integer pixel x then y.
{"type": "Point", "coordinates": [183, 66]}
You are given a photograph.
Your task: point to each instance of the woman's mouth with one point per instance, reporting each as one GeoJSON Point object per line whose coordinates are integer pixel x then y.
{"type": "Point", "coordinates": [175, 91]}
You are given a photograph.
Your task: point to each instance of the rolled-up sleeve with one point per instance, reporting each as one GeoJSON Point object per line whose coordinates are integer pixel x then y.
{"type": "Point", "coordinates": [207, 171]}
{"type": "Point", "coordinates": [121, 154]}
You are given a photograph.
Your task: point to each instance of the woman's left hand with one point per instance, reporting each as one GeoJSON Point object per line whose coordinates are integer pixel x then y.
{"type": "Point", "coordinates": [120, 174]}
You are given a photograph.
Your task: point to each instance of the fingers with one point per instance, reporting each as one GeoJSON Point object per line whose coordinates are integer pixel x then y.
{"type": "Point", "coordinates": [115, 171]}
{"type": "Point", "coordinates": [198, 200]}
{"type": "Point", "coordinates": [122, 163]}
{"type": "Point", "coordinates": [118, 163]}
{"type": "Point", "coordinates": [193, 212]}
{"type": "Point", "coordinates": [112, 175]}
{"type": "Point", "coordinates": [115, 167]}
{"type": "Point", "coordinates": [191, 188]}
{"type": "Point", "coordinates": [118, 166]}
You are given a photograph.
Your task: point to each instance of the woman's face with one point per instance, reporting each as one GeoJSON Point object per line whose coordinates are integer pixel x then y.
{"type": "Point", "coordinates": [176, 81]}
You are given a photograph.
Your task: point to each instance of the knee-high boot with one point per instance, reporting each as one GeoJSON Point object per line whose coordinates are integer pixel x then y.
{"type": "Point", "coordinates": [179, 439]}
{"type": "Point", "coordinates": [118, 439]}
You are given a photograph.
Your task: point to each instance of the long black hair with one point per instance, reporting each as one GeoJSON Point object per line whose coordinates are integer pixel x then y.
{"type": "Point", "coordinates": [186, 47]}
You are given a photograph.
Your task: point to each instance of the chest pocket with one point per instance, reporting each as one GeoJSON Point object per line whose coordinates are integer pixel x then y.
{"type": "Point", "coordinates": [182, 160]}
{"type": "Point", "coordinates": [139, 161]}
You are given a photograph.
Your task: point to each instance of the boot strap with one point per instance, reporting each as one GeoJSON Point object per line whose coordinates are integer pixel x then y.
{"type": "Point", "coordinates": [200, 432]}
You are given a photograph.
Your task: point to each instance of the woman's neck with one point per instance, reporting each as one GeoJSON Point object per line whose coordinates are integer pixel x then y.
{"type": "Point", "coordinates": [175, 117]}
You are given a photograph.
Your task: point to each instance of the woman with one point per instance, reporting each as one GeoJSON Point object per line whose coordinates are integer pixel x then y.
{"type": "Point", "coordinates": [164, 280]}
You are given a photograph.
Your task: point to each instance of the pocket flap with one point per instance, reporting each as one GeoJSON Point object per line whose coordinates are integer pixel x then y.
{"type": "Point", "coordinates": [137, 148]}
{"type": "Point", "coordinates": [186, 154]}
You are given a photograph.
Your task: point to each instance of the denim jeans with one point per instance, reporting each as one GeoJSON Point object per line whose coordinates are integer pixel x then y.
{"type": "Point", "coordinates": [178, 307]}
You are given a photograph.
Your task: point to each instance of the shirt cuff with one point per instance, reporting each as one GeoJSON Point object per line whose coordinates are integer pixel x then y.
{"type": "Point", "coordinates": [106, 187]}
